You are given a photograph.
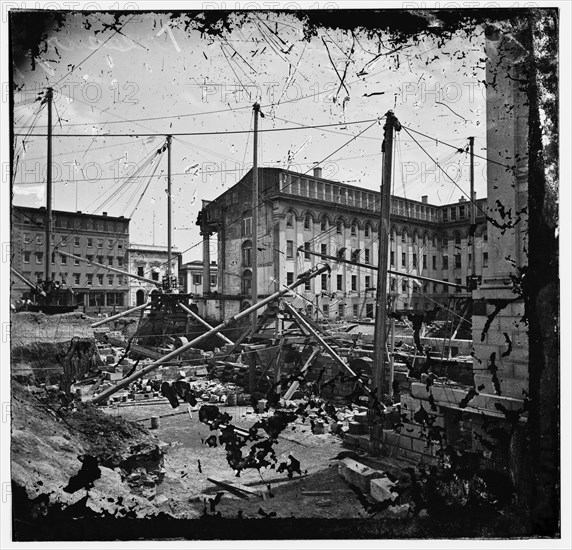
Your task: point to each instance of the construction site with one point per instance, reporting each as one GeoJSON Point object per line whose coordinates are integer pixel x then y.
{"type": "Point", "coordinates": [293, 393]}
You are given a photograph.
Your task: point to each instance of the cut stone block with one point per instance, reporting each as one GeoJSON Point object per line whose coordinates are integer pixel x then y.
{"type": "Point", "coordinates": [380, 489]}
{"type": "Point", "coordinates": [358, 474]}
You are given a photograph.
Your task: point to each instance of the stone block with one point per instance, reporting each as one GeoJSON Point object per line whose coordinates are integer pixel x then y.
{"type": "Point", "coordinates": [381, 489]}
{"type": "Point", "coordinates": [358, 474]}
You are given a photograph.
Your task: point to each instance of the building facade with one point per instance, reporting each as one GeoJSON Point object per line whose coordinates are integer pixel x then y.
{"type": "Point", "coordinates": [300, 214]}
{"type": "Point", "coordinates": [101, 238]}
{"type": "Point", "coordinates": [191, 277]}
{"type": "Point", "coordinates": [150, 261]}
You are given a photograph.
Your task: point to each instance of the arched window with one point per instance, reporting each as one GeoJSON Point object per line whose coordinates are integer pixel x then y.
{"type": "Point", "coordinates": [247, 282]}
{"type": "Point", "coordinates": [140, 297]}
{"type": "Point", "coordinates": [324, 224]}
{"type": "Point", "coordinates": [367, 230]}
{"type": "Point", "coordinates": [307, 221]}
{"type": "Point", "coordinates": [247, 253]}
{"type": "Point", "coordinates": [339, 226]}
{"type": "Point", "coordinates": [289, 219]}
{"type": "Point", "coordinates": [404, 236]}
{"type": "Point", "coordinates": [354, 228]}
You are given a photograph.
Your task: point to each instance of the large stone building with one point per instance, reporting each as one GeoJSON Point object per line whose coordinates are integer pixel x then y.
{"type": "Point", "coordinates": [300, 212]}
{"type": "Point", "coordinates": [150, 261]}
{"type": "Point", "coordinates": [103, 239]}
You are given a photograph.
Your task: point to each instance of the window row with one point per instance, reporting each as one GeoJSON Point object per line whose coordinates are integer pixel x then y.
{"type": "Point", "coordinates": [66, 240]}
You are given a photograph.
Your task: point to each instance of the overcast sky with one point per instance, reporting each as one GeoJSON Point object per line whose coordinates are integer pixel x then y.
{"type": "Point", "coordinates": [155, 77]}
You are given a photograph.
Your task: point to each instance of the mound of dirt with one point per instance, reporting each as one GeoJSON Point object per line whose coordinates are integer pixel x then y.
{"type": "Point", "coordinates": [84, 460]}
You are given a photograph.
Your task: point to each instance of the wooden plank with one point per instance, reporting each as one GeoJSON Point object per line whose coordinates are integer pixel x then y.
{"type": "Point", "coordinates": [241, 491]}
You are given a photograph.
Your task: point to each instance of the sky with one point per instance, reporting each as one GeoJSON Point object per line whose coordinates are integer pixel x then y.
{"type": "Point", "coordinates": [156, 77]}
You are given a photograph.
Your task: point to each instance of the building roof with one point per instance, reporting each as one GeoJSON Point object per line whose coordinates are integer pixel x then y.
{"type": "Point", "coordinates": [143, 247]}
{"type": "Point", "coordinates": [78, 214]}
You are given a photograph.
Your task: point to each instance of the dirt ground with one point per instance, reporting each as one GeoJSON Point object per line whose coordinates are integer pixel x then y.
{"type": "Point", "coordinates": [189, 462]}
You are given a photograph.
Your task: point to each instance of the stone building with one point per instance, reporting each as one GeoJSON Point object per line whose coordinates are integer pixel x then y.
{"type": "Point", "coordinates": [149, 260]}
{"type": "Point", "coordinates": [300, 212]}
{"type": "Point", "coordinates": [191, 276]}
{"type": "Point", "coordinates": [101, 238]}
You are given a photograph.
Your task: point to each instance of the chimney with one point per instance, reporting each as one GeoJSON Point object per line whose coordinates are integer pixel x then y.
{"type": "Point", "coordinates": [78, 212]}
{"type": "Point", "coordinates": [104, 213]}
{"type": "Point", "coordinates": [424, 199]}
{"type": "Point", "coordinates": [317, 172]}
{"type": "Point", "coordinates": [462, 199]}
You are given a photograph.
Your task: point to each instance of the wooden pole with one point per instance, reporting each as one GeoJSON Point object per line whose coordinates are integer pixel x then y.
{"type": "Point", "coordinates": [49, 219]}
{"type": "Point", "coordinates": [169, 214]}
{"type": "Point", "coordinates": [254, 280]}
{"type": "Point", "coordinates": [381, 297]}
{"type": "Point", "coordinates": [201, 320]}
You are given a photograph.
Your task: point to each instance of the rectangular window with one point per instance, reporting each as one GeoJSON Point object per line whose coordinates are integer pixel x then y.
{"type": "Point", "coordinates": [90, 241]}
{"type": "Point", "coordinates": [434, 262]}
{"type": "Point", "coordinates": [353, 229]}
{"type": "Point", "coordinates": [366, 231]}
{"type": "Point", "coordinates": [339, 226]}
{"type": "Point", "coordinates": [445, 242]}
{"type": "Point", "coordinates": [289, 249]}
{"type": "Point", "coordinates": [369, 310]}
{"type": "Point", "coordinates": [485, 259]}
{"type": "Point", "coordinates": [99, 243]}
{"type": "Point", "coordinates": [110, 260]}
{"type": "Point", "coordinates": [26, 257]}
{"type": "Point", "coordinates": [53, 258]}
{"type": "Point", "coordinates": [356, 310]}
{"type": "Point", "coordinates": [120, 280]}
{"type": "Point", "coordinates": [100, 279]}
{"type": "Point", "coordinates": [403, 260]}
{"type": "Point", "coordinates": [109, 243]}
{"type": "Point", "coordinates": [354, 282]}
{"type": "Point", "coordinates": [141, 271]}
{"type": "Point", "coordinates": [39, 239]}
{"type": "Point", "coordinates": [213, 280]}
{"type": "Point", "coordinates": [367, 282]}
{"type": "Point", "coordinates": [76, 261]}
{"type": "Point", "coordinates": [424, 261]}
{"type": "Point", "coordinates": [307, 221]}
{"type": "Point", "coordinates": [76, 278]}
{"type": "Point", "coordinates": [119, 261]}
{"type": "Point", "coordinates": [445, 262]}
{"type": "Point", "coordinates": [289, 277]}
{"type": "Point", "coordinates": [326, 309]}
{"type": "Point", "coordinates": [324, 281]}
{"type": "Point", "coordinates": [462, 212]}
{"type": "Point", "coordinates": [110, 279]}
{"type": "Point", "coordinates": [457, 260]}
{"type": "Point", "coordinates": [308, 286]}
{"type": "Point", "coordinates": [89, 257]}
{"type": "Point", "coordinates": [341, 310]}
{"type": "Point", "coordinates": [63, 259]}
{"type": "Point", "coordinates": [403, 285]}
{"type": "Point", "coordinates": [120, 245]}
{"type": "Point", "coordinates": [90, 279]}
{"type": "Point", "coordinates": [306, 247]}
{"type": "Point", "coordinates": [445, 215]}
{"type": "Point", "coordinates": [453, 213]}
{"type": "Point", "coordinates": [339, 282]}
{"type": "Point", "coordinates": [446, 287]}
{"type": "Point", "coordinates": [76, 241]}
{"type": "Point", "coordinates": [197, 279]}
{"type": "Point", "coordinates": [289, 219]}
{"type": "Point", "coordinates": [26, 238]}
{"type": "Point", "coordinates": [392, 258]}
{"type": "Point", "coordinates": [458, 282]}
{"type": "Point", "coordinates": [367, 258]}
{"type": "Point", "coordinates": [100, 259]}
{"type": "Point", "coordinates": [414, 259]}
{"type": "Point", "coordinates": [323, 249]}
{"type": "Point", "coordinates": [155, 275]}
